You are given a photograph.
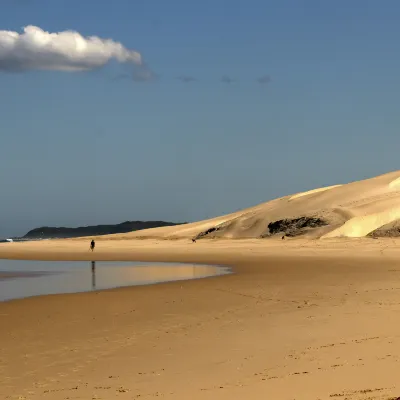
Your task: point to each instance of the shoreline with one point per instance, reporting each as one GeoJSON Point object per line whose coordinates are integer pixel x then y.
{"type": "Point", "coordinates": [204, 251]}
{"type": "Point", "coordinates": [146, 274]}
{"type": "Point", "coordinates": [6, 275]}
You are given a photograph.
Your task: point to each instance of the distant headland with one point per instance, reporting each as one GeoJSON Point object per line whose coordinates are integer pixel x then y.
{"type": "Point", "coordinates": [47, 232]}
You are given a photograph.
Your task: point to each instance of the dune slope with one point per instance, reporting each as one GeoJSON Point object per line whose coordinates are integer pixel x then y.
{"type": "Point", "coordinates": [351, 210]}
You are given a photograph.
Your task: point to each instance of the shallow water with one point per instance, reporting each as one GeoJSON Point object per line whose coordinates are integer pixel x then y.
{"type": "Point", "coordinates": [31, 278]}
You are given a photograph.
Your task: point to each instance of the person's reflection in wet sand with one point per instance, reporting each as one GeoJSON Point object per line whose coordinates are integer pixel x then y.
{"type": "Point", "coordinates": [93, 274]}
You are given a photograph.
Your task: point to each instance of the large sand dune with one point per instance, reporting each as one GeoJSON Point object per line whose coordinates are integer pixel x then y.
{"type": "Point", "coordinates": [299, 319]}
{"type": "Point", "coordinates": [355, 209]}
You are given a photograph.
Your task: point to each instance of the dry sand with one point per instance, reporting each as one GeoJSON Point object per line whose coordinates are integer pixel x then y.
{"type": "Point", "coordinates": [298, 320]}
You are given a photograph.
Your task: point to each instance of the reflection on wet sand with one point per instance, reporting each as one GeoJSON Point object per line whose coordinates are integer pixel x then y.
{"type": "Point", "coordinates": [93, 274]}
{"type": "Point", "coordinates": [38, 278]}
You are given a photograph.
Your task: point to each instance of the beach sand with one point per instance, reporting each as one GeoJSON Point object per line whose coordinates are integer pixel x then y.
{"type": "Point", "coordinates": [297, 320]}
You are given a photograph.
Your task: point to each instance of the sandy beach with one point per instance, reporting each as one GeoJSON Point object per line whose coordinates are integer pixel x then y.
{"type": "Point", "coordinates": [297, 320]}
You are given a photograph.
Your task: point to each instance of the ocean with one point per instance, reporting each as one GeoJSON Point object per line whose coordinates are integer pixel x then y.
{"type": "Point", "coordinates": [17, 239]}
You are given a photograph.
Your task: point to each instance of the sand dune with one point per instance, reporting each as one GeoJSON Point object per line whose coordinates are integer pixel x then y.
{"type": "Point", "coordinates": [299, 319]}
{"type": "Point", "coordinates": [296, 196]}
{"type": "Point", "coordinates": [355, 209]}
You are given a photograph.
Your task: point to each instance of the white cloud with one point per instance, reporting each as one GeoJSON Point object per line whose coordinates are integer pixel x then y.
{"type": "Point", "coordinates": [62, 51]}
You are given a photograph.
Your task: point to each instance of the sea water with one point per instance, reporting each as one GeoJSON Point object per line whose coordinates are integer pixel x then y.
{"type": "Point", "coordinates": [20, 279]}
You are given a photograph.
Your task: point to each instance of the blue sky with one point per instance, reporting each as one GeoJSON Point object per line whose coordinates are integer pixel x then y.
{"type": "Point", "coordinates": [80, 148]}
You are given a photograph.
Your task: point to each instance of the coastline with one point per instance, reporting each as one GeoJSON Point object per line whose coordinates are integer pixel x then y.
{"type": "Point", "coordinates": [302, 320]}
{"type": "Point", "coordinates": [208, 251]}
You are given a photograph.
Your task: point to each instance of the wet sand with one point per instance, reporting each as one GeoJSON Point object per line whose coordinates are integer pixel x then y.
{"type": "Point", "coordinates": [300, 320]}
{"type": "Point", "coordinates": [14, 275]}
{"type": "Point", "coordinates": [26, 278]}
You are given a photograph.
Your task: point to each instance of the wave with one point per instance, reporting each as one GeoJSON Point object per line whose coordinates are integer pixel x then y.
{"type": "Point", "coordinates": [11, 240]}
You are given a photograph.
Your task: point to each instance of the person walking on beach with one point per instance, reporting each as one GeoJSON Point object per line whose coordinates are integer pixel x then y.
{"type": "Point", "coordinates": [93, 274]}
{"type": "Point", "coordinates": [92, 244]}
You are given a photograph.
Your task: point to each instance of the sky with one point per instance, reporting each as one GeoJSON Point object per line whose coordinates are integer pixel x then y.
{"type": "Point", "coordinates": [181, 110]}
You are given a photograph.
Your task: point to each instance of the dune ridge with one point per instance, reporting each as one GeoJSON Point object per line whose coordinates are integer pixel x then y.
{"type": "Point", "coordinates": [355, 209]}
{"type": "Point", "coordinates": [296, 196]}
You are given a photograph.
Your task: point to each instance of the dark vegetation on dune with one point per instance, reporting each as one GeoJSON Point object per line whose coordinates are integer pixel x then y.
{"type": "Point", "coordinates": [96, 230]}
{"type": "Point", "coordinates": [294, 227]}
{"type": "Point", "coordinates": [389, 230]}
{"type": "Point", "coordinates": [207, 232]}
{"type": "Point", "coordinates": [286, 227]}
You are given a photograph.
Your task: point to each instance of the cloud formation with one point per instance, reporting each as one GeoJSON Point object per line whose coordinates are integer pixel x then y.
{"type": "Point", "coordinates": [186, 79]}
{"type": "Point", "coordinates": [137, 73]}
{"type": "Point", "coordinates": [36, 49]}
{"type": "Point", "coordinates": [227, 79]}
{"type": "Point", "coordinates": [265, 79]}
{"type": "Point", "coordinates": [143, 73]}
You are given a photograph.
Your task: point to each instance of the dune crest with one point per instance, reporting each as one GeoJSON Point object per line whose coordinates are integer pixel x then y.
{"type": "Point", "coordinates": [395, 184]}
{"type": "Point", "coordinates": [367, 207]}
{"type": "Point", "coordinates": [296, 196]}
